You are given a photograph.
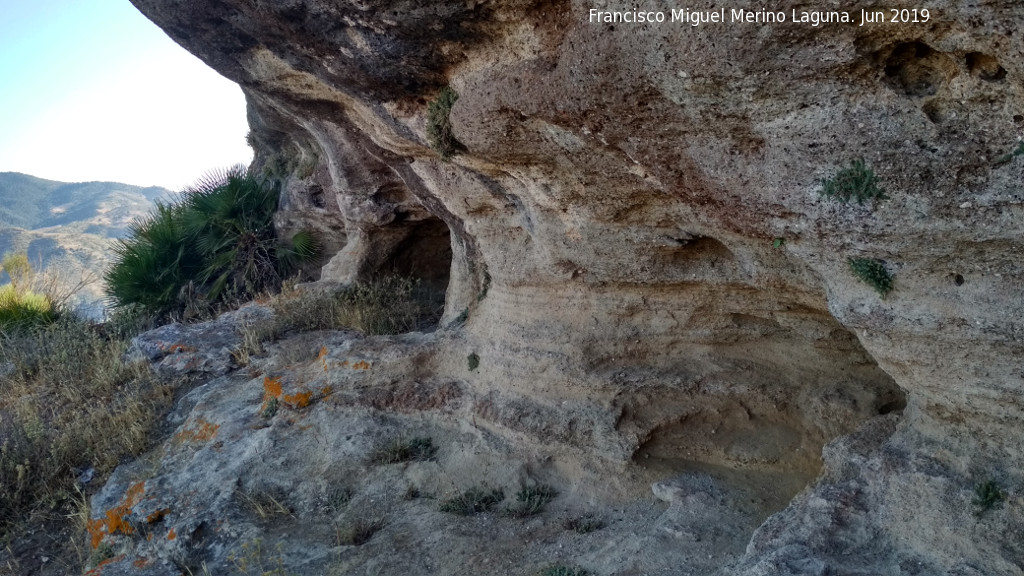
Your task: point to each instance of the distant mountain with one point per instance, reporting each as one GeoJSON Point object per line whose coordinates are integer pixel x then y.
{"type": "Point", "coordinates": [67, 229]}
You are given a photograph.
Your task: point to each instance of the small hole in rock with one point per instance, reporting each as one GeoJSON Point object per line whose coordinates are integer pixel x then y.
{"type": "Point", "coordinates": [959, 280]}
{"type": "Point", "coordinates": [985, 67]}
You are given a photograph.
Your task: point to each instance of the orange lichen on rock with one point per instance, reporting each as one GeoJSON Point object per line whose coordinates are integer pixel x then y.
{"type": "Point", "coordinates": [115, 520]}
{"type": "Point", "coordinates": [272, 386]}
{"type": "Point", "coordinates": [202, 431]}
{"type": "Point", "coordinates": [175, 348]}
{"type": "Point", "coordinates": [98, 570]}
{"type": "Point", "coordinates": [172, 535]}
{"type": "Point", "coordinates": [299, 399]}
{"type": "Point", "coordinates": [157, 515]}
{"type": "Point", "coordinates": [361, 365]}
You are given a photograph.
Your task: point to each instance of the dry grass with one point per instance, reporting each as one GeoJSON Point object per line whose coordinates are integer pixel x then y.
{"type": "Point", "coordinates": [68, 407]}
{"type": "Point", "coordinates": [390, 305]}
{"type": "Point", "coordinates": [265, 504]}
{"type": "Point", "coordinates": [251, 560]}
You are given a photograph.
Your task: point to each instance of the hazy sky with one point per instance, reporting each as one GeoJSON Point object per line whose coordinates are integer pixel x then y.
{"type": "Point", "coordinates": [92, 90]}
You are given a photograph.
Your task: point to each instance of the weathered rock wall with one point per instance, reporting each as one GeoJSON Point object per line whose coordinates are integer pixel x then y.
{"type": "Point", "coordinates": [612, 224]}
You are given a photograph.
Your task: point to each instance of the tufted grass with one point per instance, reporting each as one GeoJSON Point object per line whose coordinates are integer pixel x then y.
{"type": "Point", "coordinates": [70, 411]}
{"type": "Point", "coordinates": [531, 501]}
{"type": "Point", "coordinates": [473, 501]}
{"type": "Point", "coordinates": [855, 182]}
{"type": "Point", "coordinates": [873, 273]}
{"type": "Point", "coordinates": [418, 449]}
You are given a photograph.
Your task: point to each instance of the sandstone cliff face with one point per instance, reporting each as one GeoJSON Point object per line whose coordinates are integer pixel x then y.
{"type": "Point", "coordinates": [609, 233]}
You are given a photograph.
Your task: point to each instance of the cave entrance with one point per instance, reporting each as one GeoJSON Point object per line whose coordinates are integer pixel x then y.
{"type": "Point", "coordinates": [425, 255]}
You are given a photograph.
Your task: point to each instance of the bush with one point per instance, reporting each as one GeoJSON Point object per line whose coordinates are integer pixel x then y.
{"type": "Point", "coordinates": [24, 309]}
{"type": "Point", "coordinates": [439, 124]}
{"type": "Point", "coordinates": [532, 500]}
{"type": "Point", "coordinates": [987, 495]}
{"type": "Point", "coordinates": [872, 272]}
{"type": "Point", "coordinates": [216, 245]}
{"type": "Point", "coordinates": [857, 182]}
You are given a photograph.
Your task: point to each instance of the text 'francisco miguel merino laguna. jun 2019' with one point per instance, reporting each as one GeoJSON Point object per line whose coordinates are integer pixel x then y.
{"type": "Point", "coordinates": [743, 16]}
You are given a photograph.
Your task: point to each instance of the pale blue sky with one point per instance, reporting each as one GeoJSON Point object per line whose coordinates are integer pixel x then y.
{"type": "Point", "coordinates": [92, 90]}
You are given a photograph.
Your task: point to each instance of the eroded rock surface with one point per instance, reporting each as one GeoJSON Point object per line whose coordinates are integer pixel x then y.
{"type": "Point", "coordinates": [652, 284]}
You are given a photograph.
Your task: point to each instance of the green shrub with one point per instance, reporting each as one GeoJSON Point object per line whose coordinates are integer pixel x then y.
{"type": "Point", "coordinates": [473, 501]}
{"type": "Point", "coordinates": [24, 309]}
{"type": "Point", "coordinates": [439, 124]}
{"type": "Point", "coordinates": [18, 270]}
{"type": "Point", "coordinates": [532, 500]}
{"type": "Point", "coordinates": [856, 182]}
{"type": "Point", "coordinates": [987, 495]}
{"type": "Point", "coordinates": [473, 361]}
{"type": "Point", "coordinates": [872, 272]}
{"type": "Point", "coordinates": [420, 449]}
{"type": "Point", "coordinates": [215, 245]}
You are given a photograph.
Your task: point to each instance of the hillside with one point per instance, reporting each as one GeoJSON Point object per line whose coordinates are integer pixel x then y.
{"type": "Point", "coordinates": [67, 228]}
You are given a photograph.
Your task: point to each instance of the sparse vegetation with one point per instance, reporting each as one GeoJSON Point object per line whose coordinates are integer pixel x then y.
{"type": "Point", "coordinates": [532, 500]}
{"type": "Point", "coordinates": [439, 124]}
{"type": "Point", "coordinates": [584, 524]}
{"type": "Point", "coordinates": [872, 272]}
{"type": "Point", "coordinates": [778, 243]}
{"type": "Point", "coordinates": [389, 305]}
{"type": "Point", "coordinates": [419, 449]}
{"type": "Point", "coordinates": [473, 501]}
{"type": "Point", "coordinates": [266, 504]}
{"type": "Point", "coordinates": [563, 570]}
{"type": "Point", "coordinates": [359, 532]}
{"type": "Point", "coordinates": [69, 405]}
{"type": "Point", "coordinates": [857, 182]}
{"type": "Point", "coordinates": [214, 247]}
{"type": "Point", "coordinates": [251, 560]}
{"type": "Point", "coordinates": [473, 361]}
{"type": "Point", "coordinates": [24, 302]}
{"type": "Point", "coordinates": [987, 495]}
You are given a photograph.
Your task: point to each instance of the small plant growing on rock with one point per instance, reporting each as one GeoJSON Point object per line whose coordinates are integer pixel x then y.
{"type": "Point", "coordinates": [563, 570]}
{"type": "Point", "coordinates": [269, 408]}
{"type": "Point", "coordinates": [531, 501]}
{"type": "Point", "coordinates": [857, 182]}
{"type": "Point", "coordinates": [473, 501]}
{"type": "Point", "coordinates": [439, 124]}
{"type": "Point", "coordinates": [419, 449]}
{"type": "Point", "coordinates": [473, 361]}
{"type": "Point", "coordinates": [584, 524]}
{"type": "Point", "coordinates": [987, 495]}
{"type": "Point", "coordinates": [359, 532]}
{"type": "Point", "coordinates": [872, 272]}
